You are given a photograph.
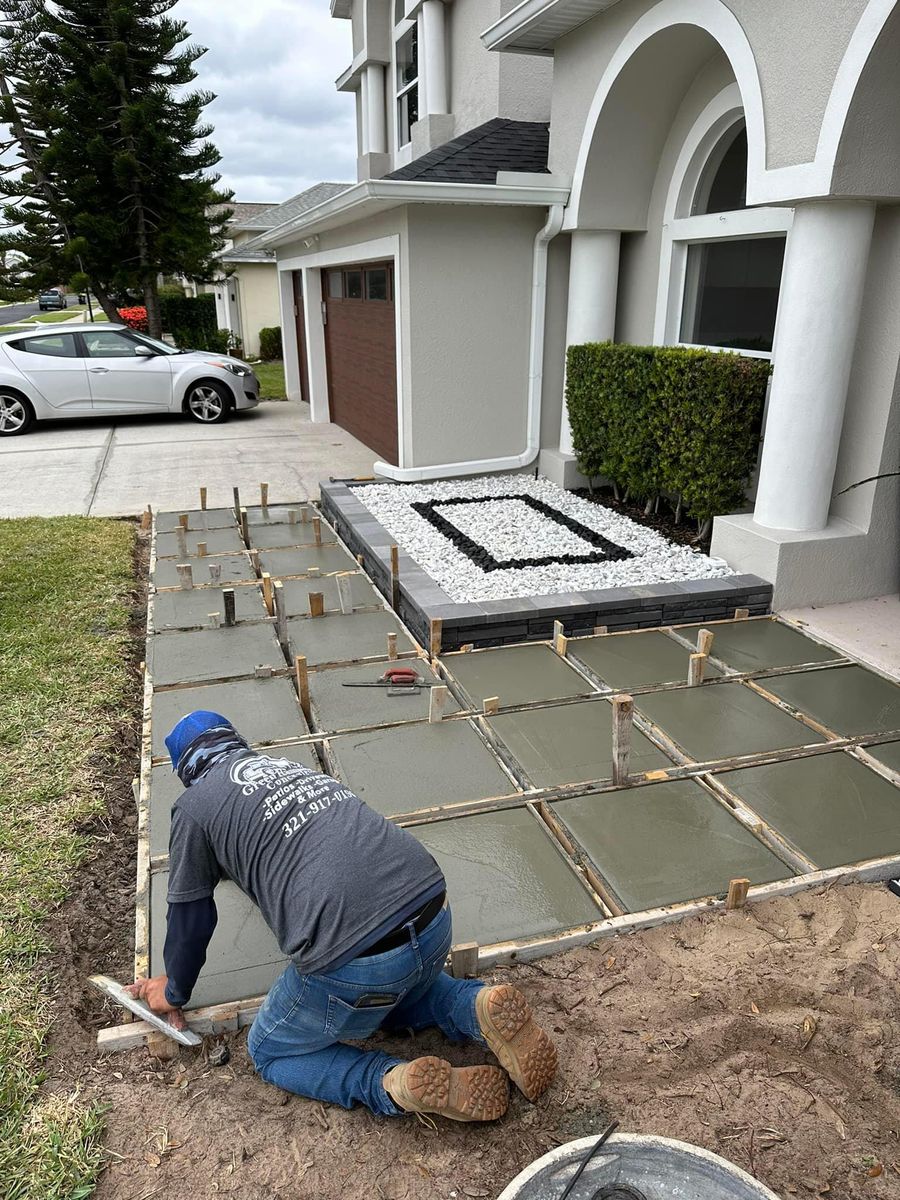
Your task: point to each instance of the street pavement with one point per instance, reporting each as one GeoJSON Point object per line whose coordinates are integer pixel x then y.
{"type": "Point", "coordinates": [17, 312]}
{"type": "Point", "coordinates": [116, 468]}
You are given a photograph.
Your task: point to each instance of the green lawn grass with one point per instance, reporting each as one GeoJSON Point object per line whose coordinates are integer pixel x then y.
{"type": "Point", "coordinates": [271, 380]}
{"type": "Point", "coordinates": [50, 318]}
{"type": "Point", "coordinates": [64, 647]}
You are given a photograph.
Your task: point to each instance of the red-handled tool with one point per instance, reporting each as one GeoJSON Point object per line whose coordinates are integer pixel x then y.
{"type": "Point", "coordinates": [404, 679]}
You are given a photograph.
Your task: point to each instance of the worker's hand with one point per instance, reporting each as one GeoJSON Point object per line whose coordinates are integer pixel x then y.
{"type": "Point", "coordinates": [153, 993]}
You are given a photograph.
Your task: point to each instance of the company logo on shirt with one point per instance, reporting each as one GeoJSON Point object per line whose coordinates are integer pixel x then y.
{"type": "Point", "coordinates": [260, 771]}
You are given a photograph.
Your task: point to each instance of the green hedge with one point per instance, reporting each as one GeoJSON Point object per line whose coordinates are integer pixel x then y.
{"type": "Point", "coordinates": [270, 343]}
{"type": "Point", "coordinates": [666, 419]}
{"type": "Point", "coordinates": [191, 320]}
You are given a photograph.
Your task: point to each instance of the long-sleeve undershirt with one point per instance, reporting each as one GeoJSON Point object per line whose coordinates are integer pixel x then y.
{"type": "Point", "coordinates": [189, 927]}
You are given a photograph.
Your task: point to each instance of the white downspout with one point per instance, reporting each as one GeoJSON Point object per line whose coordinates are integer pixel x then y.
{"type": "Point", "coordinates": [513, 462]}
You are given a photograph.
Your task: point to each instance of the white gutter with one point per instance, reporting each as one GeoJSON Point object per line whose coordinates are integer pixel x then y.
{"type": "Point", "coordinates": [513, 462]}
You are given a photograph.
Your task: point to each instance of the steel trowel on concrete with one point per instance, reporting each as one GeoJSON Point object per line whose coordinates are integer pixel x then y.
{"type": "Point", "coordinates": [115, 991]}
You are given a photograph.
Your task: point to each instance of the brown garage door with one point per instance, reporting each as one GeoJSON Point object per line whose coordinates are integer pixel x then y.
{"type": "Point", "coordinates": [361, 351]}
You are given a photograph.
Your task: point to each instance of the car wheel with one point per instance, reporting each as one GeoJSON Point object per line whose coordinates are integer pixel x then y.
{"type": "Point", "coordinates": [208, 403]}
{"type": "Point", "coordinates": [16, 415]}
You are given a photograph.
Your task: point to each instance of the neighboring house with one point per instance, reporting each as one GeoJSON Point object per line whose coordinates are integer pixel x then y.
{"type": "Point", "coordinates": [722, 173]}
{"type": "Point", "coordinates": [247, 298]}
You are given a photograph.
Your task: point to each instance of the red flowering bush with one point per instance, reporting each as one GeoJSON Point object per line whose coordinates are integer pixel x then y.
{"type": "Point", "coordinates": [135, 318]}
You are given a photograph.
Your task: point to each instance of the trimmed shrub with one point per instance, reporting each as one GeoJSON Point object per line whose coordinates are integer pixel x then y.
{"type": "Point", "coordinates": [191, 320]}
{"type": "Point", "coordinates": [270, 343]}
{"type": "Point", "coordinates": [668, 419]}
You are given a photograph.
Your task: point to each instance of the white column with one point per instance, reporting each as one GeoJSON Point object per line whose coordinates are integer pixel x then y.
{"type": "Point", "coordinates": [818, 318]}
{"type": "Point", "coordinates": [363, 114]}
{"type": "Point", "coordinates": [433, 57]}
{"type": "Point", "coordinates": [377, 124]}
{"type": "Point", "coordinates": [593, 291]}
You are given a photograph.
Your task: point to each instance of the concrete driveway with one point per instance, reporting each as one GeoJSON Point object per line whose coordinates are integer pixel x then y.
{"type": "Point", "coordinates": [117, 468]}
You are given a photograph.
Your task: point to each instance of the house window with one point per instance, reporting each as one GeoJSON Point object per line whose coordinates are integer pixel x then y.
{"type": "Point", "coordinates": [731, 257]}
{"type": "Point", "coordinates": [407, 68]}
{"type": "Point", "coordinates": [368, 283]}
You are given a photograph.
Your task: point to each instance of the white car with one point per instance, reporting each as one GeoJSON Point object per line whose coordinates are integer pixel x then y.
{"type": "Point", "coordinates": [112, 371]}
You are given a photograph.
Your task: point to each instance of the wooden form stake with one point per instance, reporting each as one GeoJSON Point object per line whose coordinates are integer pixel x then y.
{"type": "Point", "coordinates": [201, 549]}
{"type": "Point", "coordinates": [304, 515]}
{"type": "Point", "coordinates": [490, 705]}
{"type": "Point", "coordinates": [184, 521]}
{"type": "Point", "coordinates": [437, 703]}
{"type": "Point", "coordinates": [436, 633]}
{"type": "Point", "coordinates": [215, 572]}
{"type": "Point", "coordinates": [146, 518]}
{"type": "Point", "coordinates": [392, 646]}
{"type": "Point", "coordinates": [228, 600]}
{"type": "Point", "coordinates": [560, 641]}
{"type": "Point", "coordinates": [704, 642]}
{"type": "Point", "coordinates": [292, 517]}
{"type": "Point", "coordinates": [695, 670]}
{"type": "Point", "coordinates": [737, 893]}
{"type": "Point", "coordinates": [280, 613]}
{"type": "Point", "coordinates": [345, 593]}
{"type": "Point", "coordinates": [264, 496]}
{"type": "Point", "coordinates": [302, 673]}
{"type": "Point", "coordinates": [237, 503]}
{"type": "Point", "coordinates": [317, 604]}
{"type": "Point", "coordinates": [182, 542]}
{"type": "Point", "coordinates": [185, 575]}
{"type": "Point", "coordinates": [741, 614]}
{"type": "Point", "coordinates": [317, 531]}
{"type": "Point", "coordinates": [245, 527]}
{"type": "Point", "coordinates": [214, 620]}
{"type": "Point", "coordinates": [267, 593]}
{"type": "Point", "coordinates": [601, 630]}
{"type": "Point", "coordinates": [313, 572]}
{"type": "Point", "coordinates": [395, 578]}
{"type": "Point", "coordinates": [203, 499]}
{"type": "Point", "coordinates": [623, 723]}
{"type": "Point", "coordinates": [464, 960]}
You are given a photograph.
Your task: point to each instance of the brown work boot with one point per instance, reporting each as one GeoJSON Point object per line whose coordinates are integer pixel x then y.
{"type": "Point", "coordinates": [523, 1048]}
{"type": "Point", "coordinates": [430, 1085]}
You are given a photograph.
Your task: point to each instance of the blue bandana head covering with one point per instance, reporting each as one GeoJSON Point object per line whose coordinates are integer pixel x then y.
{"type": "Point", "coordinates": [189, 728]}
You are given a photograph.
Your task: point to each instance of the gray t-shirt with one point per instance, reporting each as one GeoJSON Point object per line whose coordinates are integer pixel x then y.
{"type": "Point", "coordinates": [325, 870]}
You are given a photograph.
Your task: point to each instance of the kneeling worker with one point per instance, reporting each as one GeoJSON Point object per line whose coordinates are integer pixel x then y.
{"type": "Point", "coordinates": [359, 907]}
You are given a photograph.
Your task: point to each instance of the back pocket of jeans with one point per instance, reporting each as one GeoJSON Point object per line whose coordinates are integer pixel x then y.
{"type": "Point", "coordinates": [347, 1023]}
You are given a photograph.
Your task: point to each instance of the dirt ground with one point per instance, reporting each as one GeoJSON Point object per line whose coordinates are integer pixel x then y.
{"type": "Point", "coordinates": [769, 1035]}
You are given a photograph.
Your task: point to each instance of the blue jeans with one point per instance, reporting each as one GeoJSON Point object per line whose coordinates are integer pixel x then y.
{"type": "Point", "coordinates": [296, 1041]}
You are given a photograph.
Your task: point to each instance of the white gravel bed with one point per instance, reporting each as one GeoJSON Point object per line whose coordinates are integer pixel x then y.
{"type": "Point", "coordinates": [511, 529]}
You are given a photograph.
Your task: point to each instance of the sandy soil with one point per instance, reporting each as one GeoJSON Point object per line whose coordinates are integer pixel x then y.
{"type": "Point", "coordinates": [768, 1035]}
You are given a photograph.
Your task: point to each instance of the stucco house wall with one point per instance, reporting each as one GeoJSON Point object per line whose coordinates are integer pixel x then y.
{"type": "Point", "coordinates": [258, 300]}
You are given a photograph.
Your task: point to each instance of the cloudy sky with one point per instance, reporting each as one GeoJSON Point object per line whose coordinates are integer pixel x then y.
{"type": "Point", "coordinates": [280, 124]}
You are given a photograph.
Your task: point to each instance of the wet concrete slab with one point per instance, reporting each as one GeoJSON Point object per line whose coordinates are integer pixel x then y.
{"type": "Point", "coordinates": [282, 534]}
{"type": "Point", "coordinates": [190, 609]}
{"type": "Point", "coordinates": [889, 754]}
{"type": "Point", "coordinates": [208, 654]}
{"type": "Point", "coordinates": [233, 568]}
{"type": "Point", "coordinates": [505, 878]}
{"type": "Point", "coordinates": [666, 843]}
{"type": "Point", "coordinates": [849, 700]}
{"type": "Point", "coordinates": [832, 807]}
{"type": "Point", "coordinates": [570, 743]}
{"type": "Point", "coordinates": [217, 541]}
{"type": "Point", "coordinates": [296, 593]}
{"type": "Point", "coordinates": [280, 514]}
{"type": "Point", "coordinates": [262, 710]}
{"type": "Point", "coordinates": [412, 767]}
{"type": "Point", "coordinates": [210, 518]}
{"type": "Point", "coordinates": [516, 674]}
{"type": "Point", "coordinates": [343, 638]}
{"type": "Point", "coordinates": [631, 660]}
{"type": "Point", "coordinates": [243, 959]}
{"type": "Point", "coordinates": [166, 787]}
{"type": "Point", "coordinates": [327, 559]}
{"type": "Point", "coordinates": [759, 645]}
{"type": "Point", "coordinates": [718, 721]}
{"type": "Point", "coordinates": [338, 707]}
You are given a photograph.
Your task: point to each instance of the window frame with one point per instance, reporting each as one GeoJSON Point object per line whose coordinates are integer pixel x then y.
{"type": "Point", "coordinates": [362, 269]}
{"type": "Point", "coordinates": [403, 29]}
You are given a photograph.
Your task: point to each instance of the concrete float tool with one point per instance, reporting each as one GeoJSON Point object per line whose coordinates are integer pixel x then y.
{"type": "Point", "coordinates": [115, 991]}
{"type": "Point", "coordinates": [400, 681]}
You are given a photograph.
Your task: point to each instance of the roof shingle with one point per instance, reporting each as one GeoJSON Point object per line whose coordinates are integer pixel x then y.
{"type": "Point", "coordinates": [477, 156]}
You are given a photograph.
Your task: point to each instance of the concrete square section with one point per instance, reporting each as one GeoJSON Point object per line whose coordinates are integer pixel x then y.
{"type": "Point", "coordinates": [716, 721]}
{"type": "Point", "coordinates": [414, 767]}
{"type": "Point", "coordinates": [327, 559]}
{"type": "Point", "coordinates": [571, 743]}
{"type": "Point", "coordinates": [262, 710]}
{"type": "Point", "coordinates": [516, 674]}
{"type": "Point", "coordinates": [632, 660]}
{"type": "Point", "coordinates": [888, 753]}
{"type": "Point", "coordinates": [848, 700]}
{"type": "Point", "coordinates": [296, 593]}
{"type": "Point", "coordinates": [761, 644]}
{"type": "Point", "coordinates": [208, 654]}
{"type": "Point", "coordinates": [831, 807]}
{"type": "Point", "coordinates": [665, 843]}
{"type": "Point", "coordinates": [191, 608]}
{"type": "Point", "coordinates": [506, 878]}
{"type": "Point", "coordinates": [287, 534]}
{"type": "Point", "coordinates": [232, 568]}
{"type": "Point", "coordinates": [336, 706]}
{"type": "Point", "coordinates": [208, 518]}
{"type": "Point", "coordinates": [217, 541]}
{"type": "Point", "coordinates": [345, 638]}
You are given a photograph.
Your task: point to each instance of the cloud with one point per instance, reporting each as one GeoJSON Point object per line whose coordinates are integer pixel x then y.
{"type": "Point", "coordinates": [280, 126]}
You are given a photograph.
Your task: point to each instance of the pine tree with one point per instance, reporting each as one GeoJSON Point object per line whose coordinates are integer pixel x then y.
{"type": "Point", "coordinates": [116, 159]}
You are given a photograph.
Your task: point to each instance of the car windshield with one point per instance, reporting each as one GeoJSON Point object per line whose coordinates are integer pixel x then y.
{"type": "Point", "coordinates": [155, 344]}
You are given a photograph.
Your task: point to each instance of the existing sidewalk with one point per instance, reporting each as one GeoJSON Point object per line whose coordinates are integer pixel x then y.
{"type": "Point", "coordinates": [116, 468]}
{"type": "Point", "coordinates": [867, 629]}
